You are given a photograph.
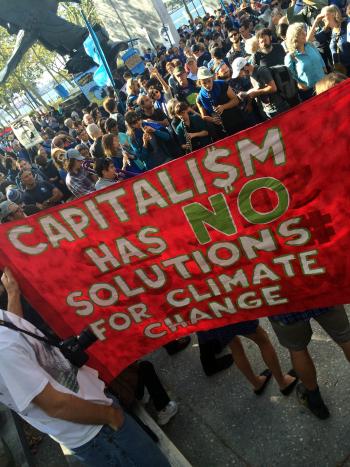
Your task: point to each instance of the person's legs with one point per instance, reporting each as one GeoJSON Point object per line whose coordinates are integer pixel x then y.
{"type": "Point", "coordinates": [210, 343]}
{"type": "Point", "coordinates": [149, 378]}
{"type": "Point", "coordinates": [346, 349]}
{"type": "Point", "coordinates": [296, 337]}
{"type": "Point", "coordinates": [129, 446]}
{"type": "Point", "coordinates": [270, 357]}
{"type": "Point", "coordinates": [305, 368]}
{"type": "Point", "coordinates": [243, 364]}
{"type": "Point", "coordinates": [336, 324]}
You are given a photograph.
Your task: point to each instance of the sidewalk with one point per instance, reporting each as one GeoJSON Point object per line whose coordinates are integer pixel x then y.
{"type": "Point", "coordinates": [222, 423]}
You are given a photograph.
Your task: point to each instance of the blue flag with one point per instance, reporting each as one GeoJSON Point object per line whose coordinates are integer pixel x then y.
{"type": "Point", "coordinates": [101, 77]}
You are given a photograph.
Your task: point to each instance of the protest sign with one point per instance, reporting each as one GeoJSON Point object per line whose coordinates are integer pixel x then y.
{"type": "Point", "coordinates": [253, 225]}
{"type": "Point", "coordinates": [26, 132]}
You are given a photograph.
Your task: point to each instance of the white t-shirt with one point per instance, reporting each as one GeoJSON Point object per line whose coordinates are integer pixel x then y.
{"type": "Point", "coordinates": [27, 365]}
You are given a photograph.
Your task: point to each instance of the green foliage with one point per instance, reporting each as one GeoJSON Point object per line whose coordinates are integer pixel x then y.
{"type": "Point", "coordinates": [71, 12]}
{"type": "Point", "coordinates": [37, 60]}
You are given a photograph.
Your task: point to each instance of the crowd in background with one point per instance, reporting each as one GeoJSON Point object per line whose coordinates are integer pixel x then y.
{"type": "Point", "coordinates": [229, 71]}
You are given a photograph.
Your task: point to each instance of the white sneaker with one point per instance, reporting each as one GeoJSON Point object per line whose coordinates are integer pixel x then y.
{"type": "Point", "coordinates": [167, 413]}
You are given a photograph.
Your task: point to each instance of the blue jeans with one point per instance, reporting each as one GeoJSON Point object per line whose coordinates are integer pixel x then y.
{"type": "Point", "coordinates": [130, 446]}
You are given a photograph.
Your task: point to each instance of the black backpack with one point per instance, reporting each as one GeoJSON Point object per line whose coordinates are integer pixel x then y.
{"type": "Point", "coordinates": [286, 85]}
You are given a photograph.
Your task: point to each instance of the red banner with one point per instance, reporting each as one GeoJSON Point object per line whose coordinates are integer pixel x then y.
{"type": "Point", "coordinates": [254, 225]}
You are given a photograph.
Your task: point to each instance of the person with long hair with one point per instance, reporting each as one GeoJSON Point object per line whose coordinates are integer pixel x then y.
{"type": "Point", "coordinates": [334, 32]}
{"type": "Point", "coordinates": [121, 158]}
{"type": "Point", "coordinates": [78, 181]}
{"type": "Point", "coordinates": [160, 97]}
{"type": "Point", "coordinates": [303, 60]}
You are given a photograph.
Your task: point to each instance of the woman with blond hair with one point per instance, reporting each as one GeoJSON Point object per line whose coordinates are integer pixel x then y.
{"type": "Point", "coordinates": [328, 82]}
{"type": "Point", "coordinates": [303, 60]}
{"type": "Point", "coordinates": [334, 32]}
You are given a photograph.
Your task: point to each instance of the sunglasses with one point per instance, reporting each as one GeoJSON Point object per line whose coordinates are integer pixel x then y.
{"type": "Point", "coordinates": [234, 34]}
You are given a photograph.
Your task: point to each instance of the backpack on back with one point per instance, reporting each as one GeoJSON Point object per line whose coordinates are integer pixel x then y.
{"type": "Point", "coordinates": [286, 85]}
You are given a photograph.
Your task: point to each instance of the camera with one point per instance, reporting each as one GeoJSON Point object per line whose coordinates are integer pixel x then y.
{"type": "Point", "coordinates": [74, 347]}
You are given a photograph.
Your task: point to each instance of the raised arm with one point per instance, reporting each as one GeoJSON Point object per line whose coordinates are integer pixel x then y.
{"type": "Point", "coordinates": [159, 77]}
{"type": "Point", "coordinates": [13, 292]}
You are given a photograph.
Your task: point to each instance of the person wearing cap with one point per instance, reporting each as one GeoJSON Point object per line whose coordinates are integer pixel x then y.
{"type": "Point", "coordinates": [10, 211]}
{"type": "Point", "coordinates": [218, 105]}
{"type": "Point", "coordinates": [240, 83]}
{"type": "Point", "coordinates": [78, 181]}
{"type": "Point", "coordinates": [14, 194]}
{"type": "Point", "coordinates": [263, 89]}
{"type": "Point", "coordinates": [42, 194]}
{"type": "Point", "coordinates": [186, 89]}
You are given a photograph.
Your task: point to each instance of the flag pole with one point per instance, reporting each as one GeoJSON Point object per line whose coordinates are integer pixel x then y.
{"type": "Point", "coordinates": [99, 49]}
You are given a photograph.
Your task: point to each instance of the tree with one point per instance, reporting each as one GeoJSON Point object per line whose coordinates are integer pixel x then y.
{"type": "Point", "coordinates": [72, 12]}
{"type": "Point", "coordinates": [37, 60]}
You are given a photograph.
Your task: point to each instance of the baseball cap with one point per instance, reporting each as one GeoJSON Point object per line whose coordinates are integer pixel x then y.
{"type": "Point", "coordinates": [13, 194]}
{"type": "Point", "coordinates": [5, 210]}
{"type": "Point", "coordinates": [74, 154]}
{"type": "Point", "coordinates": [204, 73]}
{"type": "Point", "coordinates": [237, 65]}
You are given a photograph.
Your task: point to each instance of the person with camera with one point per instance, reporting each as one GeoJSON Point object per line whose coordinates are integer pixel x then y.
{"type": "Point", "coordinates": [67, 402]}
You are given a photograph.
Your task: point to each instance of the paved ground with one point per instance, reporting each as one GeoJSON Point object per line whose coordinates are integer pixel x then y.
{"type": "Point", "coordinates": [222, 423]}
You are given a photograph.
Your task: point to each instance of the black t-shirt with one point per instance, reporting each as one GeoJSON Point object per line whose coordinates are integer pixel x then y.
{"type": "Point", "coordinates": [96, 149]}
{"type": "Point", "coordinates": [188, 94]}
{"type": "Point", "coordinates": [273, 58]}
{"type": "Point", "coordinates": [272, 103]}
{"type": "Point", "coordinates": [50, 171]}
{"type": "Point", "coordinates": [204, 59]}
{"type": "Point", "coordinates": [40, 193]}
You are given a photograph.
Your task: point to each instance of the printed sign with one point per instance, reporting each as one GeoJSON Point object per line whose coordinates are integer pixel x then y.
{"type": "Point", "coordinates": [254, 225]}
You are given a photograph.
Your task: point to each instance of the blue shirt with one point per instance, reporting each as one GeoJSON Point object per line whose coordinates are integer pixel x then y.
{"type": "Point", "coordinates": [209, 98]}
{"type": "Point", "coordinates": [308, 67]}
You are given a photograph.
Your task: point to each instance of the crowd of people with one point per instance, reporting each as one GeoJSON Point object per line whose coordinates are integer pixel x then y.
{"type": "Point", "coordinates": [230, 71]}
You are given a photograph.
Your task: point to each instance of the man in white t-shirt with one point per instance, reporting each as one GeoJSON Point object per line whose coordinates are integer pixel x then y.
{"type": "Point", "coordinates": [66, 402]}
